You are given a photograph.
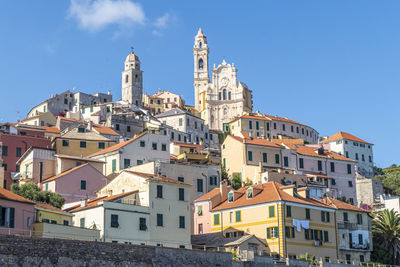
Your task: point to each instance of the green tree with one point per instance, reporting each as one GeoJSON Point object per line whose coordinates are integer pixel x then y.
{"type": "Point", "coordinates": [386, 227]}
{"type": "Point", "coordinates": [236, 182]}
{"type": "Point", "coordinates": [248, 182]}
{"type": "Point", "coordinates": [391, 182]}
{"type": "Point", "coordinates": [32, 191]}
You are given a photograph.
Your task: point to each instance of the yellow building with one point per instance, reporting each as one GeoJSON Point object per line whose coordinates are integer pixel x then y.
{"type": "Point", "coordinates": [81, 141]}
{"type": "Point", "coordinates": [49, 214]}
{"type": "Point", "coordinates": [41, 119]}
{"type": "Point", "coordinates": [249, 158]}
{"type": "Point", "coordinates": [153, 103]}
{"type": "Point", "coordinates": [291, 222]}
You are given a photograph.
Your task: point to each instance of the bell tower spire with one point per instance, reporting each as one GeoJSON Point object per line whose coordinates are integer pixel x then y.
{"type": "Point", "coordinates": [132, 80]}
{"type": "Point", "coordinates": [201, 77]}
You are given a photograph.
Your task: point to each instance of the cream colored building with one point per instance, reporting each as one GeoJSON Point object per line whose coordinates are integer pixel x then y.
{"type": "Point", "coordinates": [170, 100]}
{"type": "Point", "coordinates": [142, 148]}
{"type": "Point", "coordinates": [264, 126]}
{"type": "Point", "coordinates": [36, 165]}
{"type": "Point", "coordinates": [140, 208]}
{"type": "Point", "coordinates": [41, 119]}
{"type": "Point", "coordinates": [249, 158]}
{"type": "Point", "coordinates": [223, 98]}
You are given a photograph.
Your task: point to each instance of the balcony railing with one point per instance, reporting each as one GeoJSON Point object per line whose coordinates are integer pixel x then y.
{"type": "Point", "coordinates": [353, 226]}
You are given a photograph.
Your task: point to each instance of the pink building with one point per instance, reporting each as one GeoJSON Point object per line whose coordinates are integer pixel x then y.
{"type": "Point", "coordinates": [203, 205]}
{"type": "Point", "coordinates": [16, 213]}
{"type": "Point", "coordinates": [78, 183]}
{"type": "Point", "coordinates": [13, 146]}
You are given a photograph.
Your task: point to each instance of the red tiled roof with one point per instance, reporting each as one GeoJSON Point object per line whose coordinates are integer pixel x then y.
{"type": "Point", "coordinates": [117, 146]}
{"type": "Point", "coordinates": [6, 194]}
{"type": "Point", "coordinates": [337, 204]}
{"type": "Point", "coordinates": [269, 192]}
{"type": "Point", "coordinates": [343, 135]}
{"type": "Point", "coordinates": [64, 173]}
{"type": "Point", "coordinates": [288, 141]}
{"type": "Point", "coordinates": [259, 142]}
{"type": "Point", "coordinates": [313, 152]}
{"type": "Point", "coordinates": [51, 129]}
{"type": "Point", "coordinates": [208, 195]}
{"type": "Point", "coordinates": [104, 130]}
{"type": "Point", "coordinates": [199, 147]}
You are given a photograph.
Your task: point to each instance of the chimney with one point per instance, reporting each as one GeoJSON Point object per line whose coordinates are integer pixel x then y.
{"type": "Point", "coordinates": [320, 150]}
{"type": "Point", "coordinates": [223, 189]}
{"type": "Point", "coordinates": [83, 203]}
{"type": "Point", "coordinates": [90, 125]}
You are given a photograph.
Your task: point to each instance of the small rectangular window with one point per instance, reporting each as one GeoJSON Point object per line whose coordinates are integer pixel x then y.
{"type": "Point", "coordinates": [301, 163]}
{"type": "Point", "coordinates": [332, 166]}
{"type": "Point", "coordinates": [265, 157]}
{"type": "Point", "coordinates": [199, 185]}
{"type": "Point", "coordinates": [164, 147]}
{"type": "Point", "coordinates": [277, 158]}
{"type": "Point", "coordinates": [216, 219]}
{"type": "Point", "coordinates": [250, 155]}
{"type": "Point", "coordinates": [271, 211]}
{"type": "Point", "coordinates": [349, 168]}
{"type": "Point", "coordinates": [82, 144]}
{"type": "Point", "coordinates": [285, 161]}
{"type": "Point", "coordinates": [182, 222]}
{"type": "Point", "coordinates": [65, 143]}
{"type": "Point", "coordinates": [142, 224]}
{"type": "Point", "coordinates": [159, 191]}
{"type": "Point", "coordinates": [127, 163]}
{"type": "Point", "coordinates": [308, 214]}
{"type": "Point", "coordinates": [181, 194]}
{"type": "Point", "coordinates": [19, 152]}
{"type": "Point", "coordinates": [114, 221]}
{"type": "Point", "coordinates": [238, 216]}
{"type": "Point", "coordinates": [320, 165]}
{"type": "Point", "coordinates": [102, 145]}
{"type": "Point", "coordinates": [160, 221]}
{"type": "Point", "coordinates": [154, 146]}
{"type": "Point", "coordinates": [83, 184]}
{"type": "Point", "coordinates": [288, 211]}
{"type": "Point", "coordinates": [142, 144]}
{"type": "Point", "coordinates": [82, 222]}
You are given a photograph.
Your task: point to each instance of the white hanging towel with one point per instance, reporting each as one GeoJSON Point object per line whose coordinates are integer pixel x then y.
{"type": "Point", "coordinates": [297, 223]}
{"type": "Point", "coordinates": [305, 224]}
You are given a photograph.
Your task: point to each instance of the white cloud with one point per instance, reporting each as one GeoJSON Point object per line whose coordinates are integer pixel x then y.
{"type": "Point", "coordinates": [162, 22]}
{"type": "Point", "coordinates": [94, 15]}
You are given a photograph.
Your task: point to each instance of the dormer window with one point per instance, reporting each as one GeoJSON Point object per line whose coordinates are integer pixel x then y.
{"type": "Point", "coordinates": [81, 130]}
{"type": "Point", "coordinates": [230, 197]}
{"type": "Point", "coordinates": [250, 192]}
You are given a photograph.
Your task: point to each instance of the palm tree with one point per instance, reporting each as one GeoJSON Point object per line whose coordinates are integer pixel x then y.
{"type": "Point", "coordinates": [387, 225]}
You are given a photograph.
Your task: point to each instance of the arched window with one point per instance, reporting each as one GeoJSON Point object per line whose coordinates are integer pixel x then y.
{"type": "Point", "coordinates": [229, 95]}
{"type": "Point", "coordinates": [126, 78]}
{"type": "Point", "coordinates": [224, 94]}
{"type": "Point", "coordinates": [136, 78]}
{"type": "Point", "coordinates": [200, 64]}
{"type": "Point", "coordinates": [200, 45]}
{"type": "Point", "coordinates": [219, 96]}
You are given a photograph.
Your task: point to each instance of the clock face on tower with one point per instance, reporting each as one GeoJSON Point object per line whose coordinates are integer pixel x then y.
{"type": "Point", "coordinates": [224, 81]}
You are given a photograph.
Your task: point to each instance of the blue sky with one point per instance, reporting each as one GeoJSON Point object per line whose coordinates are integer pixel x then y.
{"type": "Point", "coordinates": [333, 65]}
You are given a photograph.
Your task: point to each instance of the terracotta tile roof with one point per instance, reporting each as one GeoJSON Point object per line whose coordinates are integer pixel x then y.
{"type": "Point", "coordinates": [208, 195]}
{"type": "Point", "coordinates": [6, 194]}
{"type": "Point", "coordinates": [245, 135]}
{"type": "Point", "coordinates": [64, 173]}
{"type": "Point", "coordinates": [69, 119]}
{"type": "Point", "coordinates": [46, 206]}
{"type": "Point", "coordinates": [51, 129]}
{"type": "Point", "coordinates": [288, 141]}
{"type": "Point", "coordinates": [94, 202]}
{"type": "Point", "coordinates": [318, 175]}
{"type": "Point", "coordinates": [269, 192]}
{"type": "Point", "coordinates": [269, 118]}
{"type": "Point", "coordinates": [104, 130]}
{"type": "Point", "coordinates": [313, 152]}
{"type": "Point", "coordinates": [337, 204]}
{"type": "Point", "coordinates": [117, 146]}
{"type": "Point", "coordinates": [259, 142]}
{"type": "Point", "coordinates": [156, 177]}
{"type": "Point", "coordinates": [344, 135]}
{"type": "Point", "coordinates": [33, 117]}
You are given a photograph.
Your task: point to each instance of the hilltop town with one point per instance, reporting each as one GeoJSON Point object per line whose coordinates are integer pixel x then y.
{"type": "Point", "coordinates": [151, 170]}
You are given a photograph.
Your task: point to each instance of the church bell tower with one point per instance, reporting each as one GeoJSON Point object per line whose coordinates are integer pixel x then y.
{"type": "Point", "coordinates": [132, 81]}
{"type": "Point", "coordinates": [201, 77]}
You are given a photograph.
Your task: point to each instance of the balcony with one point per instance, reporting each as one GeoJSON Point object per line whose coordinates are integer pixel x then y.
{"type": "Point", "coordinates": [353, 226]}
{"type": "Point", "coordinates": [355, 246]}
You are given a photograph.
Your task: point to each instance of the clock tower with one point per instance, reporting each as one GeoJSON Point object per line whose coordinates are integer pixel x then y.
{"type": "Point", "coordinates": [132, 81]}
{"type": "Point", "coordinates": [201, 77]}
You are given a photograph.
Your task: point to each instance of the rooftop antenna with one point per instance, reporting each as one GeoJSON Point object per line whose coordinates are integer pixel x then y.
{"type": "Point", "coordinates": [132, 49]}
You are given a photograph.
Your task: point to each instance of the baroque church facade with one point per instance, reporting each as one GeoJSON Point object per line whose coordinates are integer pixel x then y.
{"type": "Point", "coordinates": [223, 97]}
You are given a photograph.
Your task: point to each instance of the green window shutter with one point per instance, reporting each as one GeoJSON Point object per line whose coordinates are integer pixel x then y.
{"type": "Point", "coordinates": [271, 211]}
{"type": "Point", "coordinates": [288, 211]}
{"type": "Point", "coordinates": [307, 234]}
{"type": "Point", "coordinates": [238, 216]}
{"type": "Point", "coordinates": [268, 233]}
{"type": "Point", "coordinates": [114, 165]}
{"type": "Point", "coordinates": [326, 236]}
{"type": "Point", "coordinates": [307, 213]}
{"type": "Point", "coordinates": [287, 231]}
{"type": "Point", "coordinates": [293, 233]}
{"type": "Point", "coordinates": [323, 216]}
{"type": "Point", "coordinates": [276, 232]}
{"type": "Point", "coordinates": [286, 161]}
{"type": "Point", "coordinates": [216, 219]}
{"type": "Point", "coordinates": [301, 163]}
{"type": "Point", "coordinates": [328, 217]}
{"type": "Point", "coordinates": [277, 158]}
{"type": "Point", "coordinates": [12, 217]}
{"type": "Point", "coordinates": [127, 163]}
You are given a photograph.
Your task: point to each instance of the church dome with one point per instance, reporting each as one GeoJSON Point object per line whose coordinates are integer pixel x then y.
{"type": "Point", "coordinates": [131, 57]}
